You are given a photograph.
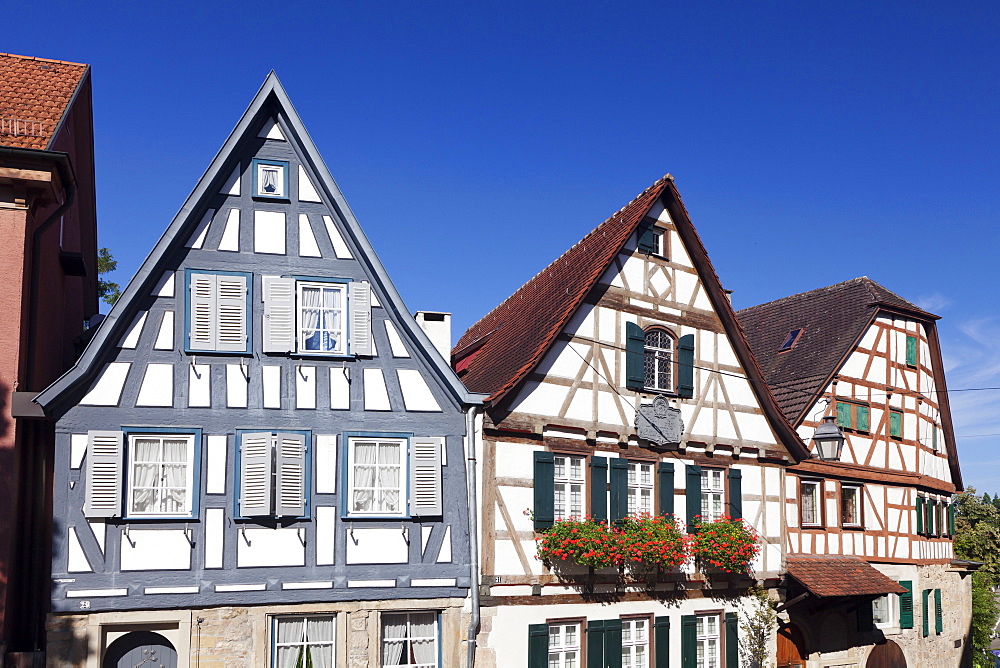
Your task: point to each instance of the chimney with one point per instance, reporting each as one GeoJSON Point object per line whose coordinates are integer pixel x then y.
{"type": "Point", "coordinates": [437, 327]}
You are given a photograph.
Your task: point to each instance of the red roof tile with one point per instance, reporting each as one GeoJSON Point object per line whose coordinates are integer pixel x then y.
{"type": "Point", "coordinates": [35, 94]}
{"type": "Point", "coordinates": [831, 575]}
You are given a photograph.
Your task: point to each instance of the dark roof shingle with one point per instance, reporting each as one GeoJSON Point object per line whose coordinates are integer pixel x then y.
{"type": "Point", "coordinates": [35, 94]}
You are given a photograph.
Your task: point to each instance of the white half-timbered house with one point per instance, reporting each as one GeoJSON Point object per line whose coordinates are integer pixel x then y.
{"type": "Point", "coordinates": [871, 361]}
{"type": "Point", "coordinates": [260, 455]}
{"type": "Point", "coordinates": [629, 325]}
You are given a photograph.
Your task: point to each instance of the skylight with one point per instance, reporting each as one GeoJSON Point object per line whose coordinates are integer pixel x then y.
{"type": "Point", "coordinates": [790, 340]}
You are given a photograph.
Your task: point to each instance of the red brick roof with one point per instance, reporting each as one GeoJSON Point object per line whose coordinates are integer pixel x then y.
{"type": "Point", "coordinates": [35, 94]}
{"type": "Point", "coordinates": [831, 575]}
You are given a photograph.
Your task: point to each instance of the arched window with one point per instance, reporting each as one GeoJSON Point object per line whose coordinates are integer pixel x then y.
{"type": "Point", "coordinates": [658, 360]}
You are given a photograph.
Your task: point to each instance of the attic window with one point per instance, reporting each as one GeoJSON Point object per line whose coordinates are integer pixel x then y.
{"type": "Point", "coordinates": [270, 178]}
{"type": "Point", "coordinates": [790, 340]}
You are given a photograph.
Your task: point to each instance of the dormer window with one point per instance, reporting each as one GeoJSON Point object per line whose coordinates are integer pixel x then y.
{"type": "Point", "coordinates": [790, 340]}
{"type": "Point", "coordinates": [270, 178]}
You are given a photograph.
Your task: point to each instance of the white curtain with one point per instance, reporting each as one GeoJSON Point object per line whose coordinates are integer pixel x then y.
{"type": "Point", "coordinates": [312, 300]}
{"type": "Point", "coordinates": [175, 463]}
{"type": "Point", "coordinates": [364, 476]}
{"type": "Point", "coordinates": [290, 631]}
{"type": "Point", "coordinates": [331, 318]}
{"type": "Point", "coordinates": [388, 476]}
{"type": "Point", "coordinates": [145, 474]}
{"type": "Point", "coordinates": [319, 630]}
{"type": "Point", "coordinates": [422, 639]}
{"type": "Point", "coordinates": [393, 640]}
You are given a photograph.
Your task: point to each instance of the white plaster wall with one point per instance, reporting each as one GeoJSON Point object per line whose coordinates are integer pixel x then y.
{"type": "Point", "coordinates": [155, 550]}
{"type": "Point", "coordinates": [269, 547]}
{"type": "Point", "coordinates": [377, 546]}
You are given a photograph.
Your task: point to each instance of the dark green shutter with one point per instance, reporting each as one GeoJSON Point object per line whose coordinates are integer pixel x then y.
{"type": "Point", "coordinates": [538, 645]}
{"type": "Point", "coordinates": [906, 605]}
{"type": "Point", "coordinates": [647, 237]}
{"type": "Point", "coordinates": [911, 351]}
{"type": "Point", "coordinates": [864, 418]}
{"type": "Point", "coordinates": [595, 644]}
{"type": "Point", "coordinates": [920, 514]}
{"type": "Point", "coordinates": [866, 621]}
{"type": "Point", "coordinates": [735, 494]}
{"type": "Point", "coordinates": [544, 510]}
{"type": "Point", "coordinates": [685, 366]}
{"type": "Point", "coordinates": [635, 345]}
{"type": "Point", "coordinates": [689, 641]}
{"type": "Point", "coordinates": [613, 643]}
{"type": "Point", "coordinates": [599, 488]}
{"type": "Point", "coordinates": [618, 478]}
{"type": "Point", "coordinates": [926, 610]}
{"type": "Point", "coordinates": [895, 424]}
{"type": "Point", "coordinates": [693, 495]}
{"type": "Point", "coordinates": [951, 518]}
{"type": "Point", "coordinates": [732, 641]}
{"type": "Point", "coordinates": [661, 642]}
{"type": "Point", "coordinates": [666, 482]}
{"type": "Point", "coordinates": [938, 618]}
{"type": "Point", "coordinates": [844, 415]}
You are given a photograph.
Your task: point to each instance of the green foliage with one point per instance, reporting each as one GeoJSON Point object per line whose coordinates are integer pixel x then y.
{"type": "Point", "coordinates": [977, 538]}
{"type": "Point", "coordinates": [107, 290]}
{"type": "Point", "coordinates": [757, 621]}
{"type": "Point", "coordinates": [726, 544]}
{"type": "Point", "coordinates": [652, 541]}
{"type": "Point", "coordinates": [586, 542]}
{"type": "Point", "coordinates": [984, 616]}
{"type": "Point", "coordinates": [638, 544]}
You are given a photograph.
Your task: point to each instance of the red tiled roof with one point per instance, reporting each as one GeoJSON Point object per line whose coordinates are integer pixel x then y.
{"type": "Point", "coordinates": [35, 94]}
{"type": "Point", "coordinates": [831, 575]}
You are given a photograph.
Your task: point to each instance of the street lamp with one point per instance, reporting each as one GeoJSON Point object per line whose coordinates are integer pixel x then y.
{"type": "Point", "coordinates": [829, 439]}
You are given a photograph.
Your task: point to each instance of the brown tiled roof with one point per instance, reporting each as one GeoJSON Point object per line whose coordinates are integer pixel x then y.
{"type": "Point", "coordinates": [34, 96]}
{"type": "Point", "coordinates": [831, 575]}
{"type": "Point", "coordinates": [833, 319]}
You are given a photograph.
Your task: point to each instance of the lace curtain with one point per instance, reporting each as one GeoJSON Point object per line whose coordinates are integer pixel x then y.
{"type": "Point", "coordinates": [145, 475]}
{"type": "Point", "coordinates": [320, 318]}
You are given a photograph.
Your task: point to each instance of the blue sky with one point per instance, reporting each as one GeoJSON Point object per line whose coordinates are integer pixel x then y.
{"type": "Point", "coordinates": [812, 142]}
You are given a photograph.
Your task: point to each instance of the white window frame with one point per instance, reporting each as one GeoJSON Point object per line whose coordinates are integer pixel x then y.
{"type": "Point", "coordinates": [409, 637]}
{"type": "Point", "coordinates": [635, 645]}
{"type": "Point", "coordinates": [304, 643]}
{"type": "Point", "coordinates": [402, 489]}
{"type": "Point", "coordinates": [569, 487]}
{"type": "Point", "coordinates": [659, 243]}
{"type": "Point", "coordinates": [565, 645]}
{"type": "Point", "coordinates": [188, 477]}
{"type": "Point", "coordinates": [345, 313]}
{"type": "Point", "coordinates": [817, 503]}
{"type": "Point", "coordinates": [656, 353]}
{"type": "Point", "coordinates": [640, 488]}
{"type": "Point", "coordinates": [713, 489]}
{"type": "Point", "coordinates": [891, 611]}
{"type": "Point", "coordinates": [704, 636]}
{"type": "Point", "coordinates": [282, 169]}
{"type": "Point", "coordinates": [857, 489]}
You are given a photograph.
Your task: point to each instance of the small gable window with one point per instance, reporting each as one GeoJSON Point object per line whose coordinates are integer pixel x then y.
{"type": "Point", "coordinates": [315, 316]}
{"type": "Point", "coordinates": [270, 178]}
{"type": "Point", "coordinates": [790, 340]}
{"type": "Point", "coordinates": [321, 317]}
{"type": "Point", "coordinates": [658, 360]}
{"type": "Point", "coordinates": [911, 351]}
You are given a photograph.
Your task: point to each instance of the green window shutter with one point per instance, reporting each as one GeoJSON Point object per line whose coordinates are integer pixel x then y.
{"type": "Point", "coordinates": [544, 510]}
{"type": "Point", "coordinates": [661, 642]}
{"type": "Point", "coordinates": [906, 605]}
{"type": "Point", "coordinates": [930, 526]}
{"type": "Point", "coordinates": [647, 237]}
{"type": "Point", "coordinates": [895, 424]}
{"type": "Point", "coordinates": [685, 366]}
{"type": "Point", "coordinates": [599, 488]}
{"type": "Point", "coordinates": [693, 492]}
{"type": "Point", "coordinates": [635, 346]}
{"type": "Point", "coordinates": [732, 641]}
{"type": "Point", "coordinates": [951, 518]}
{"type": "Point", "coordinates": [618, 478]}
{"type": "Point", "coordinates": [538, 645]}
{"type": "Point", "coordinates": [866, 622]}
{"type": "Point", "coordinates": [920, 514]}
{"type": "Point", "coordinates": [844, 415]}
{"type": "Point", "coordinates": [938, 617]}
{"type": "Point", "coordinates": [911, 351]}
{"type": "Point", "coordinates": [689, 641]}
{"type": "Point", "coordinates": [735, 493]}
{"type": "Point", "coordinates": [864, 418]}
{"type": "Point", "coordinates": [612, 643]}
{"type": "Point", "coordinates": [925, 612]}
{"type": "Point", "coordinates": [595, 644]}
{"type": "Point", "coordinates": [665, 472]}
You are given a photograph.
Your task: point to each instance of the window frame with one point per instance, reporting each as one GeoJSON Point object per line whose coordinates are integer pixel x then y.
{"type": "Point", "coordinates": [913, 361]}
{"type": "Point", "coordinates": [819, 511]}
{"type": "Point", "coordinates": [193, 477]}
{"type": "Point", "coordinates": [724, 487]}
{"type": "Point", "coordinates": [720, 636]}
{"type": "Point", "coordinates": [897, 436]}
{"type": "Point", "coordinates": [238, 474]}
{"type": "Point", "coordinates": [672, 352]}
{"type": "Point", "coordinates": [791, 340]}
{"type": "Point", "coordinates": [859, 505]}
{"type": "Point", "coordinates": [648, 619]}
{"type": "Point", "coordinates": [407, 613]}
{"type": "Point", "coordinates": [892, 610]}
{"type": "Point", "coordinates": [255, 178]}
{"type": "Point", "coordinates": [247, 313]}
{"type": "Point", "coordinates": [581, 646]}
{"type": "Point", "coordinates": [639, 486]}
{"type": "Point", "coordinates": [347, 475]}
{"type": "Point", "coordinates": [345, 309]}
{"type": "Point", "coordinates": [569, 481]}
{"type": "Point", "coordinates": [273, 634]}
{"type": "Point", "coordinates": [854, 406]}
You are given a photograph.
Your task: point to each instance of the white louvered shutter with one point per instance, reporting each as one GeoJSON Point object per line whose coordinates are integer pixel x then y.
{"type": "Point", "coordinates": [103, 493]}
{"type": "Point", "coordinates": [361, 318]}
{"type": "Point", "coordinates": [279, 314]}
{"type": "Point", "coordinates": [291, 482]}
{"type": "Point", "coordinates": [425, 476]}
{"type": "Point", "coordinates": [231, 305]}
{"type": "Point", "coordinates": [255, 474]}
{"type": "Point", "coordinates": [202, 313]}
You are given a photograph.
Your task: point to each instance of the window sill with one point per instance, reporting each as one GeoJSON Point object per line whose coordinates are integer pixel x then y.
{"type": "Point", "coordinates": [270, 198]}
{"type": "Point", "coordinates": [664, 393]}
{"type": "Point", "coordinates": [852, 527]}
{"type": "Point", "coordinates": [813, 527]}
{"type": "Point", "coordinates": [159, 518]}
{"type": "Point", "coordinates": [226, 353]}
{"type": "Point", "coordinates": [360, 518]}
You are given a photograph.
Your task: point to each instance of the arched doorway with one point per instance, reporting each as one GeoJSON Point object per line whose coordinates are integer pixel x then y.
{"type": "Point", "coordinates": [143, 649]}
{"type": "Point", "coordinates": [886, 655]}
{"type": "Point", "coordinates": [791, 647]}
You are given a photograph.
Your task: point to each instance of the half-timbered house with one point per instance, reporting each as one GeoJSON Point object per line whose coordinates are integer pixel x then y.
{"type": "Point", "coordinates": [260, 456]}
{"type": "Point", "coordinates": [620, 383]}
{"type": "Point", "coordinates": [872, 578]}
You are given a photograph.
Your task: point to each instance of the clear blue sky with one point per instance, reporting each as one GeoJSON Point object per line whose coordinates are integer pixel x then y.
{"type": "Point", "coordinates": [812, 142]}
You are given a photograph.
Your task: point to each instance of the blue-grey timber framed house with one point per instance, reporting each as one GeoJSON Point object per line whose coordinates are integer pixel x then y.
{"type": "Point", "coordinates": [260, 455]}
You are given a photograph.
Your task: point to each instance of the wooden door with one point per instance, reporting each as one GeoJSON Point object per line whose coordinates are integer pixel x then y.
{"type": "Point", "coordinates": [791, 647]}
{"type": "Point", "coordinates": [886, 655]}
{"type": "Point", "coordinates": [141, 649]}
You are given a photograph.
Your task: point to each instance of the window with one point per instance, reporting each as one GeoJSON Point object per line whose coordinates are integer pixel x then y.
{"type": "Point", "coordinates": [790, 340]}
{"type": "Point", "coordinates": [713, 494]}
{"type": "Point", "coordinates": [564, 646]}
{"type": "Point", "coordinates": [635, 643]}
{"type": "Point", "coordinates": [707, 641]}
{"type": "Point", "coordinates": [896, 424]}
{"type": "Point", "coordinates": [393, 475]}
{"type": "Point", "coordinates": [216, 311]}
{"type": "Point", "coordinates": [321, 317]}
{"type": "Point", "coordinates": [659, 243]}
{"type": "Point", "coordinates": [160, 475]}
{"type": "Point", "coordinates": [270, 178]}
{"type": "Point", "coordinates": [410, 640]}
{"type": "Point", "coordinates": [652, 240]}
{"type": "Point", "coordinates": [315, 316]}
{"type": "Point", "coordinates": [811, 502]}
{"type": "Point", "coordinates": [850, 506]}
{"type": "Point", "coordinates": [568, 488]}
{"type": "Point", "coordinates": [640, 488]}
{"type": "Point", "coordinates": [885, 611]}
{"type": "Point", "coordinates": [658, 360]}
{"type": "Point", "coordinates": [303, 642]}
{"type": "Point", "coordinates": [911, 351]}
{"type": "Point", "coordinates": [853, 416]}
{"type": "Point", "coordinates": [272, 473]}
